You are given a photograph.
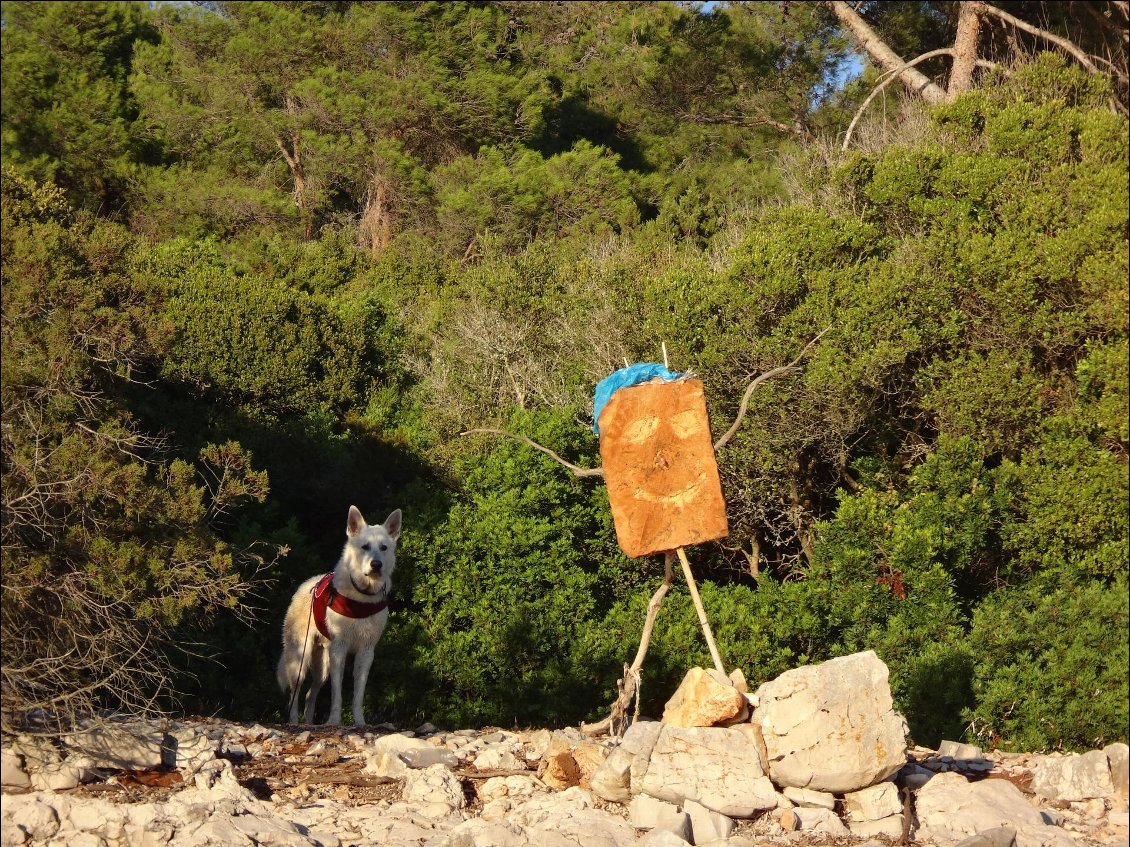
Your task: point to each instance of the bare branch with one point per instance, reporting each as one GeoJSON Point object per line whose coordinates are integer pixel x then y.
{"type": "Point", "coordinates": [891, 76]}
{"type": "Point", "coordinates": [577, 471]}
{"type": "Point", "coordinates": [791, 367]}
{"type": "Point", "coordinates": [887, 58]}
{"type": "Point", "coordinates": [1062, 43]}
{"type": "Point", "coordinates": [629, 686]}
{"type": "Point", "coordinates": [701, 610]}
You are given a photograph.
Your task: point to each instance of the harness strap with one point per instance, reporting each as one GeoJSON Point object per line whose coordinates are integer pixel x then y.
{"type": "Point", "coordinates": [327, 597]}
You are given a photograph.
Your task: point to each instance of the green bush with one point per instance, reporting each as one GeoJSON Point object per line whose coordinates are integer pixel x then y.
{"type": "Point", "coordinates": [1050, 662]}
{"type": "Point", "coordinates": [109, 543]}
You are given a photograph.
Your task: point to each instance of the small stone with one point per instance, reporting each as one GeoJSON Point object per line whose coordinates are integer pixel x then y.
{"type": "Point", "coordinates": [707, 825]}
{"type": "Point", "coordinates": [953, 750]}
{"type": "Point", "coordinates": [646, 812]}
{"type": "Point", "coordinates": [874, 803]}
{"type": "Point", "coordinates": [810, 819]}
{"type": "Point", "coordinates": [808, 797]}
{"type": "Point", "coordinates": [891, 827]}
{"type": "Point", "coordinates": [422, 758]}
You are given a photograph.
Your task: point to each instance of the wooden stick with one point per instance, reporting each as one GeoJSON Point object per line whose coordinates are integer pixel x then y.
{"type": "Point", "coordinates": [577, 471]}
{"type": "Point", "coordinates": [629, 686]}
{"type": "Point", "coordinates": [791, 367]}
{"type": "Point", "coordinates": [701, 612]}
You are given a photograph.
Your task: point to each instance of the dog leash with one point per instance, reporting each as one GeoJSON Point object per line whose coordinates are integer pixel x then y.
{"type": "Point", "coordinates": [302, 659]}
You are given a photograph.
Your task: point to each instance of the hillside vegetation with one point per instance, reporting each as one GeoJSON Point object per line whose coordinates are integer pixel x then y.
{"type": "Point", "coordinates": [262, 261]}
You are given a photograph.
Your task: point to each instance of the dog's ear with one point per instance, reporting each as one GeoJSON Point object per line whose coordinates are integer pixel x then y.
{"type": "Point", "coordinates": [392, 524]}
{"type": "Point", "coordinates": [356, 522]}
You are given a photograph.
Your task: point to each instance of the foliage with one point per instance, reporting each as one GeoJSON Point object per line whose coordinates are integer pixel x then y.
{"type": "Point", "coordinates": [1051, 665]}
{"type": "Point", "coordinates": [108, 543]}
{"type": "Point", "coordinates": [68, 115]}
{"type": "Point", "coordinates": [509, 584]}
{"type": "Point", "coordinates": [347, 232]}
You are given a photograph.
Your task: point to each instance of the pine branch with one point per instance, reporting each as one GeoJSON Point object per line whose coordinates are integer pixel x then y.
{"type": "Point", "coordinates": [884, 56]}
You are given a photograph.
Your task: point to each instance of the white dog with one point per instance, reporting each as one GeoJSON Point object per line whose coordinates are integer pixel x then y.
{"type": "Point", "coordinates": [342, 612]}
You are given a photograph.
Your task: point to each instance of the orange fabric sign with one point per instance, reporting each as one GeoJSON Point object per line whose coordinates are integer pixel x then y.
{"type": "Point", "coordinates": [659, 467]}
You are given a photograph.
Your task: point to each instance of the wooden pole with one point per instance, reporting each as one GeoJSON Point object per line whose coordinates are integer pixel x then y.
{"type": "Point", "coordinates": [701, 612]}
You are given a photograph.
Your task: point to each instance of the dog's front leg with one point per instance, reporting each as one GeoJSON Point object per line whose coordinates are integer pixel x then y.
{"type": "Point", "coordinates": [339, 650]}
{"type": "Point", "coordinates": [361, 663]}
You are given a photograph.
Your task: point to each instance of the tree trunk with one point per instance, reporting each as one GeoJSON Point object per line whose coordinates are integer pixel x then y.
{"type": "Point", "coordinates": [376, 219]}
{"type": "Point", "coordinates": [914, 80]}
{"type": "Point", "coordinates": [965, 47]}
{"type": "Point", "coordinates": [293, 158]}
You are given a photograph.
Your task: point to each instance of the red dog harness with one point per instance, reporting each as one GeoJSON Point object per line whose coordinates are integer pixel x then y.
{"type": "Point", "coordinates": [326, 596]}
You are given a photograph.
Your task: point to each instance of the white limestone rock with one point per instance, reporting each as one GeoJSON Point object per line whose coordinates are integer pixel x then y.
{"type": "Point", "coordinates": [1074, 777]}
{"type": "Point", "coordinates": [646, 812]}
{"type": "Point", "coordinates": [130, 746]}
{"type": "Point", "coordinates": [889, 827]}
{"type": "Point", "coordinates": [33, 815]}
{"type": "Point", "coordinates": [613, 779]}
{"type": "Point", "coordinates": [833, 726]}
{"type": "Point", "coordinates": [1118, 757]}
{"type": "Point", "coordinates": [811, 819]}
{"type": "Point", "coordinates": [715, 766]}
{"type": "Point", "coordinates": [960, 752]}
{"type": "Point", "coordinates": [950, 808]}
{"type": "Point", "coordinates": [706, 824]}
{"type": "Point", "coordinates": [435, 784]}
{"type": "Point", "coordinates": [874, 803]}
{"type": "Point", "coordinates": [384, 757]}
{"type": "Point", "coordinates": [13, 777]}
{"type": "Point", "coordinates": [809, 797]}
{"type": "Point", "coordinates": [65, 774]}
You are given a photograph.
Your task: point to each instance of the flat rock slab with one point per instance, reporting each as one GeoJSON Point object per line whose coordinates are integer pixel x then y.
{"type": "Point", "coordinates": [1074, 777]}
{"type": "Point", "coordinates": [716, 767]}
{"type": "Point", "coordinates": [949, 807]}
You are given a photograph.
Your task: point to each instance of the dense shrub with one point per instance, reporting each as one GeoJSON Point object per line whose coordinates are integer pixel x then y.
{"type": "Point", "coordinates": [108, 542]}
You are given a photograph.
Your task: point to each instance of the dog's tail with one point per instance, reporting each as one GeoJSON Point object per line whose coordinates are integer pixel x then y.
{"type": "Point", "coordinates": [285, 682]}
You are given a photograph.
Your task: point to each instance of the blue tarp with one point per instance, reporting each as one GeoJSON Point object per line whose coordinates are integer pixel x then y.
{"type": "Point", "coordinates": [632, 375]}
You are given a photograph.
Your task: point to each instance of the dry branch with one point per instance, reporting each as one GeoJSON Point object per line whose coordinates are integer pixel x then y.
{"type": "Point", "coordinates": [698, 607]}
{"type": "Point", "coordinates": [791, 367]}
{"type": "Point", "coordinates": [629, 686]}
{"type": "Point", "coordinates": [576, 469]}
{"type": "Point", "coordinates": [1062, 43]}
{"type": "Point", "coordinates": [893, 75]}
{"type": "Point", "coordinates": [884, 56]}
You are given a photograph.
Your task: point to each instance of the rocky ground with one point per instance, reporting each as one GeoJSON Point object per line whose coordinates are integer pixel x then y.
{"type": "Point", "coordinates": [206, 781]}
